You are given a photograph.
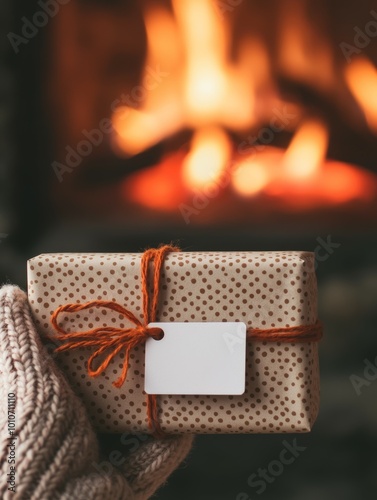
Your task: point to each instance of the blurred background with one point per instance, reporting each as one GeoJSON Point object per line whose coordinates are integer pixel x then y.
{"type": "Point", "coordinates": [219, 125]}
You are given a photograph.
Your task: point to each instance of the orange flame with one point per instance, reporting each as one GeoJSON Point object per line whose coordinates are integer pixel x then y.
{"type": "Point", "coordinates": [201, 87]}
{"type": "Point", "coordinates": [333, 183]}
{"type": "Point", "coordinates": [207, 159]}
{"type": "Point", "coordinates": [250, 177]}
{"type": "Point", "coordinates": [159, 113]}
{"type": "Point", "coordinates": [205, 44]}
{"type": "Point", "coordinates": [361, 76]}
{"type": "Point", "coordinates": [307, 150]}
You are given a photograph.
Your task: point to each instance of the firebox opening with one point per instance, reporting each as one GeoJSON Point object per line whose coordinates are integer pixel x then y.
{"type": "Point", "coordinates": [259, 109]}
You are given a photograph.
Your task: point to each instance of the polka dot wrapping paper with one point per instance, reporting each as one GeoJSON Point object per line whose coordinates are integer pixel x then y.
{"type": "Point", "coordinates": [261, 289]}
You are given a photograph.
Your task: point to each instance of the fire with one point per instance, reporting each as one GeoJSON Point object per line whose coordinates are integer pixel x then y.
{"type": "Point", "coordinates": [361, 76]}
{"type": "Point", "coordinates": [207, 159]}
{"type": "Point", "coordinates": [205, 75]}
{"type": "Point", "coordinates": [222, 99]}
{"type": "Point", "coordinates": [250, 177]}
{"type": "Point", "coordinates": [201, 87]}
{"type": "Point", "coordinates": [162, 37]}
{"type": "Point", "coordinates": [159, 115]}
{"type": "Point", "coordinates": [333, 183]}
{"type": "Point", "coordinates": [135, 130]}
{"type": "Point", "coordinates": [307, 150]}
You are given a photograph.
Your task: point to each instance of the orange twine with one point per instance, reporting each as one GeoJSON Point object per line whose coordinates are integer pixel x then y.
{"type": "Point", "coordinates": [115, 339]}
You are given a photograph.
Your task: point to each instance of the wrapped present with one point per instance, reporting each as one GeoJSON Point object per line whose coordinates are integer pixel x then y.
{"type": "Point", "coordinates": [99, 309]}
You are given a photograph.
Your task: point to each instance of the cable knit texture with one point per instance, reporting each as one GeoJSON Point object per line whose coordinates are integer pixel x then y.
{"type": "Point", "coordinates": [56, 449]}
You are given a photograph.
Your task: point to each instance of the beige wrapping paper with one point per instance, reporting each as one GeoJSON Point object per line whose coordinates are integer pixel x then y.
{"type": "Point", "coordinates": [262, 289]}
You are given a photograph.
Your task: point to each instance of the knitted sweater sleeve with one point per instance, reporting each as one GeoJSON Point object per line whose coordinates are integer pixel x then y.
{"type": "Point", "coordinates": [57, 454]}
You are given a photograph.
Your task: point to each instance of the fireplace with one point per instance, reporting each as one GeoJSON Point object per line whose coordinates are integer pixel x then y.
{"type": "Point", "coordinates": [213, 113]}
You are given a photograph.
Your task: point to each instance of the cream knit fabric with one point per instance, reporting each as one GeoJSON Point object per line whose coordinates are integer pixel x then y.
{"type": "Point", "coordinates": [56, 448]}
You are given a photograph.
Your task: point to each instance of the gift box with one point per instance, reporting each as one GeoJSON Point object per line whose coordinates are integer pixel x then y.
{"type": "Point", "coordinates": [271, 292]}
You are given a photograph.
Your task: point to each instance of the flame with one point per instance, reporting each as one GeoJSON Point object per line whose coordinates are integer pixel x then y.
{"type": "Point", "coordinates": [162, 37]}
{"type": "Point", "coordinates": [207, 159]}
{"type": "Point", "coordinates": [343, 183]}
{"type": "Point", "coordinates": [333, 183]}
{"type": "Point", "coordinates": [202, 86]}
{"type": "Point", "coordinates": [159, 114]}
{"type": "Point", "coordinates": [137, 130]}
{"type": "Point", "coordinates": [361, 76]}
{"type": "Point", "coordinates": [307, 150]}
{"type": "Point", "coordinates": [205, 43]}
{"type": "Point", "coordinates": [250, 177]}
{"type": "Point", "coordinates": [134, 129]}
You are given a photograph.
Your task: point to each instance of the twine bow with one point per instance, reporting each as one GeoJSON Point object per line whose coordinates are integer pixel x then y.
{"type": "Point", "coordinates": [104, 338]}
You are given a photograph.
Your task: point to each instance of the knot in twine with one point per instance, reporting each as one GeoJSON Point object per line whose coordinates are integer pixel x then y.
{"type": "Point", "coordinates": [113, 340]}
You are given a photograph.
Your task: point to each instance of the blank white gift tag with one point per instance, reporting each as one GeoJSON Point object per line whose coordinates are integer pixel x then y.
{"type": "Point", "coordinates": [196, 358]}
